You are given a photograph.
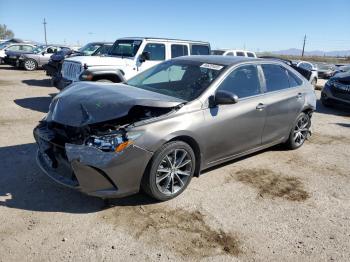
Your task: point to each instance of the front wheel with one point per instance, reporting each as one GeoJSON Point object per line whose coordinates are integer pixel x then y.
{"type": "Point", "coordinates": [299, 132]}
{"type": "Point", "coordinates": [170, 172]}
{"type": "Point", "coordinates": [30, 65]}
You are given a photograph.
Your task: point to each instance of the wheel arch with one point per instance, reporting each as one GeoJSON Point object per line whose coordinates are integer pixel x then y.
{"type": "Point", "coordinates": [195, 147]}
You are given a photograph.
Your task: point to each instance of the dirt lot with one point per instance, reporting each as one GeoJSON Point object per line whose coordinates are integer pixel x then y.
{"type": "Point", "coordinates": [275, 205]}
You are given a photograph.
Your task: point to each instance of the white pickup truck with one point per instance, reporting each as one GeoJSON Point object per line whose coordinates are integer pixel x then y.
{"type": "Point", "coordinates": [127, 57]}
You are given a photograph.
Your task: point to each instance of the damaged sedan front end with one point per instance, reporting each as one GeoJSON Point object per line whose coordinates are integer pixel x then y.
{"type": "Point", "coordinates": [86, 140]}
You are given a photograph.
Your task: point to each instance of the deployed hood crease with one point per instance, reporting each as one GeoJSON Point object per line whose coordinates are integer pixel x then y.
{"type": "Point", "coordinates": [85, 103]}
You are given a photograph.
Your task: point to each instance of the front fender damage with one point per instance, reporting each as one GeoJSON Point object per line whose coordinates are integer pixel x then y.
{"type": "Point", "coordinates": [108, 174]}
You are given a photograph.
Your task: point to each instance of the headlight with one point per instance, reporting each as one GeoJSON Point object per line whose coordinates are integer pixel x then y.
{"type": "Point", "coordinates": [114, 142]}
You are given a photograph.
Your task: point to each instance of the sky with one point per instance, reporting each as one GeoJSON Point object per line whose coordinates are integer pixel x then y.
{"type": "Point", "coordinates": [265, 25]}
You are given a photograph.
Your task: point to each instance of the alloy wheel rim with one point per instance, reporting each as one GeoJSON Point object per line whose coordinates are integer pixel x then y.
{"type": "Point", "coordinates": [301, 130]}
{"type": "Point", "coordinates": [30, 65]}
{"type": "Point", "coordinates": [174, 171]}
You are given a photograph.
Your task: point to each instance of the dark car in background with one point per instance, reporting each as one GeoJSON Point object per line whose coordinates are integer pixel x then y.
{"type": "Point", "coordinates": [54, 65]}
{"type": "Point", "coordinates": [167, 124]}
{"type": "Point", "coordinates": [337, 90]}
{"type": "Point", "coordinates": [10, 53]}
{"type": "Point", "coordinates": [342, 69]}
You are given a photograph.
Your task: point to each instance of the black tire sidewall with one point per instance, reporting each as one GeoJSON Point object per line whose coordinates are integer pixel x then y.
{"type": "Point", "coordinates": [149, 183]}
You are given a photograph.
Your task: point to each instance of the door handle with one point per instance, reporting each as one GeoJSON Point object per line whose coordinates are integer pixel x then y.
{"type": "Point", "coordinates": [300, 95]}
{"type": "Point", "coordinates": [260, 106]}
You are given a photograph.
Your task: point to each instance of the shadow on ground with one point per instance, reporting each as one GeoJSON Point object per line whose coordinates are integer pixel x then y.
{"type": "Point", "coordinates": [40, 104]}
{"type": "Point", "coordinates": [337, 110]}
{"type": "Point", "coordinates": [37, 82]}
{"type": "Point", "coordinates": [24, 186]}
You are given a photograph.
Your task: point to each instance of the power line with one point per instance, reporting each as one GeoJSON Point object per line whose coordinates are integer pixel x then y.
{"type": "Point", "coordinates": [45, 30]}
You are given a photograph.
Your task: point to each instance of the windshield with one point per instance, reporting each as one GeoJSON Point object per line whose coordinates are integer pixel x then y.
{"type": "Point", "coordinates": [217, 52]}
{"type": "Point", "coordinates": [89, 49]}
{"type": "Point", "coordinates": [126, 48]}
{"type": "Point", "coordinates": [324, 66]}
{"type": "Point", "coordinates": [178, 78]}
{"type": "Point", "coordinates": [38, 49]}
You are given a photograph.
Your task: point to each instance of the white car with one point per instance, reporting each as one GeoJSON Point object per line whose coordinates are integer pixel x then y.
{"type": "Point", "coordinates": [127, 57]}
{"type": "Point", "coordinates": [311, 67]}
{"type": "Point", "coordinates": [233, 52]}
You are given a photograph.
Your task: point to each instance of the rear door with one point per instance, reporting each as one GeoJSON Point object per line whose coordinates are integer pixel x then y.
{"type": "Point", "coordinates": [283, 100]}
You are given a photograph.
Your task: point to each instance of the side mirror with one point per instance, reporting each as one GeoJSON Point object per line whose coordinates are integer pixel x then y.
{"type": "Point", "coordinates": [222, 97]}
{"type": "Point", "coordinates": [144, 56]}
{"type": "Point", "coordinates": [43, 53]}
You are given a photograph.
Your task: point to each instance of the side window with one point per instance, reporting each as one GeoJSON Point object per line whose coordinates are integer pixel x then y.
{"type": "Point", "coordinates": [293, 79]}
{"type": "Point", "coordinates": [200, 50]}
{"type": "Point", "coordinates": [156, 51]}
{"type": "Point", "coordinates": [276, 77]}
{"type": "Point", "coordinates": [179, 50]}
{"type": "Point", "coordinates": [27, 48]}
{"type": "Point", "coordinates": [230, 54]}
{"type": "Point", "coordinates": [243, 81]}
{"type": "Point", "coordinates": [240, 53]}
{"type": "Point", "coordinates": [14, 48]}
{"type": "Point", "coordinates": [49, 50]}
{"type": "Point", "coordinates": [250, 54]}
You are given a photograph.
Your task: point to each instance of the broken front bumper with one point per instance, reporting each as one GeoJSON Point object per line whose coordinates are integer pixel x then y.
{"type": "Point", "coordinates": [90, 170]}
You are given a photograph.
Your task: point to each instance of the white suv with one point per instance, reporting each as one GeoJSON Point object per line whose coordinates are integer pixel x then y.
{"type": "Point", "coordinates": [127, 57]}
{"type": "Point", "coordinates": [233, 52]}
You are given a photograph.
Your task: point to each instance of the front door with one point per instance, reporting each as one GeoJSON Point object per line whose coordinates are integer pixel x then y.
{"type": "Point", "coordinates": [235, 128]}
{"type": "Point", "coordinates": [157, 54]}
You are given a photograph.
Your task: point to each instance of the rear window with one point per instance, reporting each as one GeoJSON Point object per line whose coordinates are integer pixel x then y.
{"type": "Point", "coordinates": [293, 79]}
{"type": "Point", "coordinates": [200, 50]}
{"type": "Point", "coordinates": [240, 53]}
{"type": "Point", "coordinates": [250, 54]}
{"type": "Point", "coordinates": [179, 50]}
{"type": "Point", "coordinates": [276, 77]}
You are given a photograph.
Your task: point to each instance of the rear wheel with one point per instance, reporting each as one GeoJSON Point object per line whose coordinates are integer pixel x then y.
{"type": "Point", "coordinates": [30, 64]}
{"type": "Point", "coordinates": [170, 172]}
{"type": "Point", "coordinates": [299, 132]}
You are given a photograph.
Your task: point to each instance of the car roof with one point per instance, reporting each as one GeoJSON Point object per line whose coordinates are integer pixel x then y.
{"type": "Point", "coordinates": [219, 59]}
{"type": "Point", "coordinates": [163, 39]}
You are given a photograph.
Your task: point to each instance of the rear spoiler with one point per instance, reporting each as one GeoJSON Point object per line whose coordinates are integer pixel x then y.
{"type": "Point", "coordinates": [304, 72]}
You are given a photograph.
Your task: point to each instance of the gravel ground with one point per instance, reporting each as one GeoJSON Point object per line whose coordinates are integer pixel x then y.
{"type": "Point", "coordinates": [274, 205]}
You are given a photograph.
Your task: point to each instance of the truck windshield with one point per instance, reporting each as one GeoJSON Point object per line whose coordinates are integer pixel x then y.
{"type": "Point", "coordinates": [90, 48]}
{"type": "Point", "coordinates": [182, 79]}
{"type": "Point", "coordinates": [126, 48]}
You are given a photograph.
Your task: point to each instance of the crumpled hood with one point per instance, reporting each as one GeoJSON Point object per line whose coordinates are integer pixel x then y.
{"type": "Point", "coordinates": [85, 103]}
{"type": "Point", "coordinates": [99, 60]}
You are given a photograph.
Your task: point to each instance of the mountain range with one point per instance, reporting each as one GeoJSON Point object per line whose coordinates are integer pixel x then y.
{"type": "Point", "coordinates": [297, 52]}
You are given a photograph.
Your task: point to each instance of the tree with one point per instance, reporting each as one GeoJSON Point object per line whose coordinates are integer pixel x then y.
{"type": "Point", "coordinates": [5, 33]}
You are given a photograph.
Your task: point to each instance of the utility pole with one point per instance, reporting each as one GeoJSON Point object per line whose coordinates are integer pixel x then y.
{"type": "Point", "coordinates": [302, 54]}
{"type": "Point", "coordinates": [45, 31]}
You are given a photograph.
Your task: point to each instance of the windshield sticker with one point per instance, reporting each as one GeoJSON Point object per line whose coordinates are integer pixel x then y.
{"type": "Point", "coordinates": [212, 66]}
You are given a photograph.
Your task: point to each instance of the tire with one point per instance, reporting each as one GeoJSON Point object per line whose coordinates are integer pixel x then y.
{"type": "Point", "coordinates": [30, 65]}
{"type": "Point", "coordinates": [299, 132]}
{"type": "Point", "coordinates": [169, 172]}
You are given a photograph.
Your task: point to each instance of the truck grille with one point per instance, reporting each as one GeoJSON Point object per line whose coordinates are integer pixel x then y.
{"type": "Point", "coordinates": [71, 70]}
